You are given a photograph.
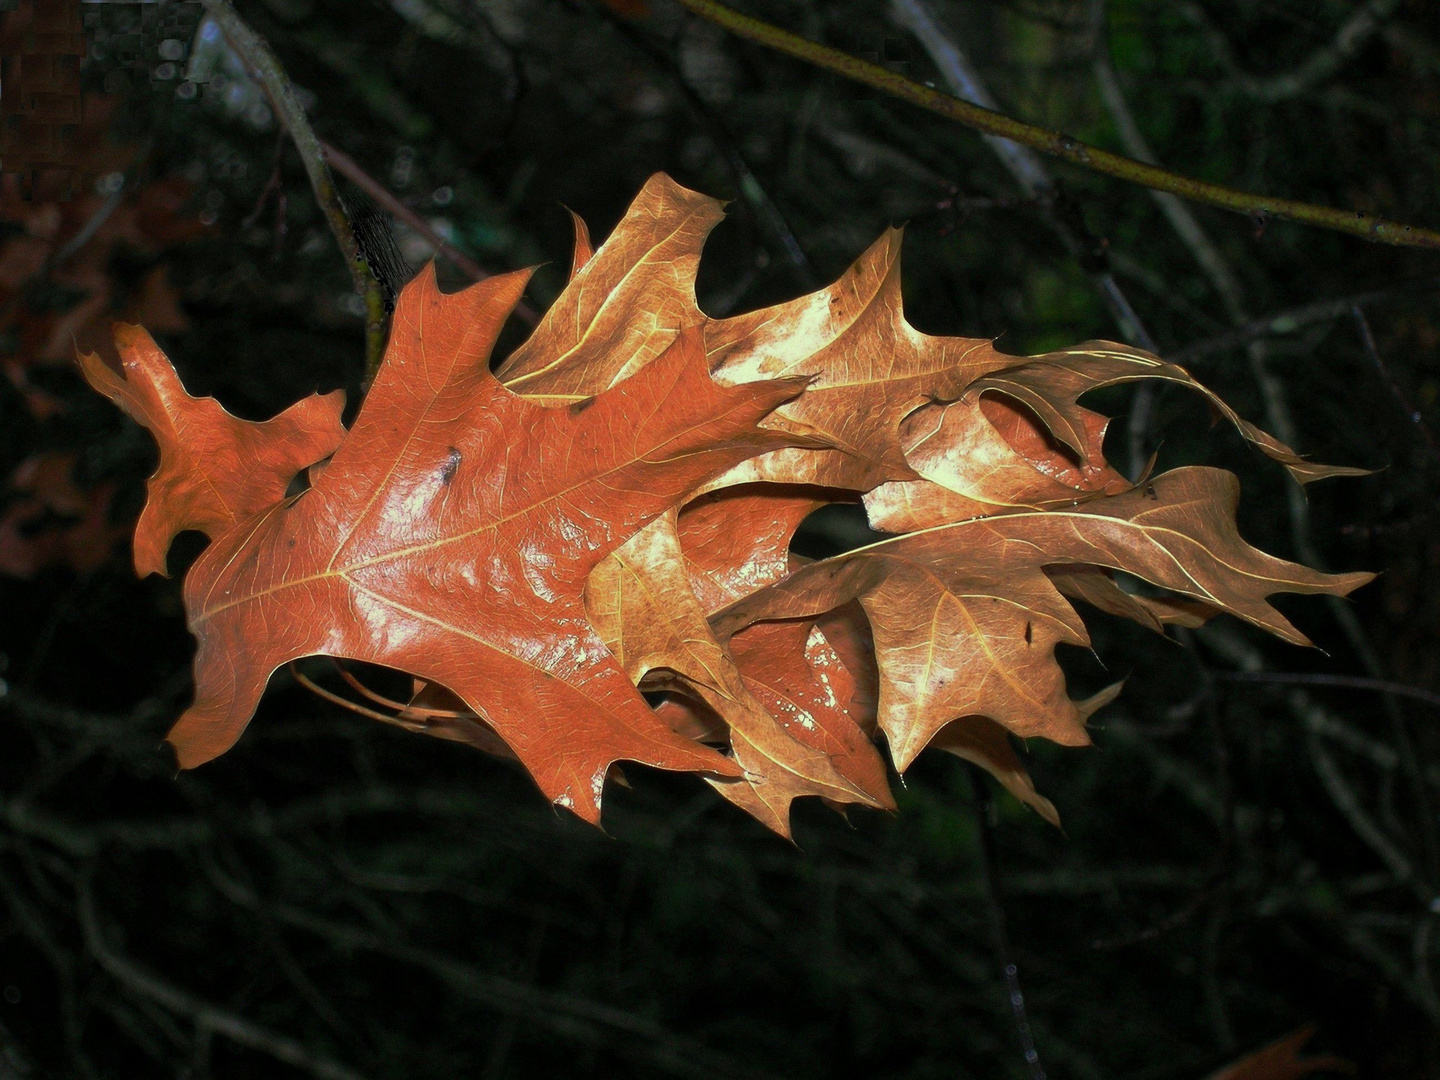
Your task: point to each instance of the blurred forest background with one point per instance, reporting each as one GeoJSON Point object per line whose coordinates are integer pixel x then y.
{"type": "Point", "coordinates": [1243, 854]}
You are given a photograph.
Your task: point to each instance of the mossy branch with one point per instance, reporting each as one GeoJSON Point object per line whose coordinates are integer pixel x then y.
{"type": "Point", "coordinates": [1057, 144]}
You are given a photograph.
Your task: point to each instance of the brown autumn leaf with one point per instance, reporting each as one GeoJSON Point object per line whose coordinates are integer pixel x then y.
{"type": "Point", "coordinates": [966, 621]}
{"type": "Point", "coordinates": [625, 304]}
{"type": "Point", "coordinates": [1051, 384]}
{"type": "Point", "coordinates": [1096, 586]}
{"type": "Point", "coordinates": [737, 539]}
{"type": "Point", "coordinates": [800, 678]}
{"type": "Point", "coordinates": [149, 221]}
{"type": "Point", "coordinates": [639, 599]}
{"type": "Point", "coordinates": [983, 742]}
{"type": "Point", "coordinates": [986, 454]}
{"type": "Point", "coordinates": [650, 602]}
{"type": "Point", "coordinates": [1019, 438]}
{"type": "Point", "coordinates": [797, 676]}
{"type": "Point", "coordinates": [874, 386]}
{"type": "Point", "coordinates": [868, 367]}
{"type": "Point", "coordinates": [451, 536]}
{"type": "Point", "coordinates": [216, 470]}
{"type": "Point", "coordinates": [605, 517]}
{"type": "Point", "coordinates": [640, 603]}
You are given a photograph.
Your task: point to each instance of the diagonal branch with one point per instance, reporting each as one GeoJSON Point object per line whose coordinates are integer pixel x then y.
{"type": "Point", "coordinates": [205, 1016]}
{"type": "Point", "coordinates": [265, 68]}
{"type": "Point", "coordinates": [1030, 173]}
{"type": "Point", "coordinates": [1293, 319]}
{"type": "Point", "coordinates": [1057, 144]}
{"type": "Point", "coordinates": [1022, 162]}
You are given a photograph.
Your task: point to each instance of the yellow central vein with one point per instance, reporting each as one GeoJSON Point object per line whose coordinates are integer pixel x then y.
{"type": "Point", "coordinates": [643, 262]}
{"type": "Point", "coordinates": [332, 572]}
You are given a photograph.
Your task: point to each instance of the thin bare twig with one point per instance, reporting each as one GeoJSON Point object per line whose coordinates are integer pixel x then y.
{"type": "Point", "coordinates": [1261, 207]}
{"type": "Point", "coordinates": [267, 71]}
{"type": "Point", "coordinates": [346, 166]}
{"type": "Point", "coordinates": [1342, 795]}
{"type": "Point", "coordinates": [564, 1014]}
{"type": "Point", "coordinates": [981, 803]}
{"type": "Point", "coordinates": [1280, 419]}
{"type": "Point", "coordinates": [1298, 318]}
{"type": "Point", "coordinates": [204, 1015]}
{"type": "Point", "coordinates": [1354, 33]}
{"type": "Point", "coordinates": [1353, 682]}
{"type": "Point", "coordinates": [1035, 180]}
{"type": "Point", "coordinates": [1414, 415]}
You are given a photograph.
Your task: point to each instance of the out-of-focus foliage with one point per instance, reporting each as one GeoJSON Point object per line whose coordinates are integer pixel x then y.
{"type": "Point", "coordinates": [1251, 856]}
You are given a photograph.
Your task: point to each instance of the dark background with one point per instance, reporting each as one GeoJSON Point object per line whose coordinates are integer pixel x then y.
{"type": "Point", "coordinates": [1238, 860]}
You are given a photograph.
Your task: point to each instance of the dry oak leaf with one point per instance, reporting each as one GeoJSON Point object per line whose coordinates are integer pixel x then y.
{"type": "Point", "coordinates": [1096, 586]}
{"type": "Point", "coordinates": [640, 603]}
{"type": "Point", "coordinates": [800, 679]}
{"type": "Point", "coordinates": [451, 536]}
{"type": "Point", "coordinates": [887, 402]}
{"type": "Point", "coordinates": [630, 298]}
{"type": "Point", "coordinates": [1052, 384]}
{"type": "Point", "coordinates": [965, 619]}
{"type": "Point", "coordinates": [216, 470]}
{"type": "Point", "coordinates": [987, 454]}
{"type": "Point", "coordinates": [625, 304]}
{"type": "Point", "coordinates": [737, 539]}
{"type": "Point", "coordinates": [868, 368]}
{"type": "Point", "coordinates": [981, 741]}
{"type": "Point", "coordinates": [974, 738]}
{"type": "Point", "coordinates": [1019, 438]}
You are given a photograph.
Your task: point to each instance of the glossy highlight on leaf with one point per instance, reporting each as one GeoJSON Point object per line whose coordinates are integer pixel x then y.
{"type": "Point", "coordinates": [614, 512]}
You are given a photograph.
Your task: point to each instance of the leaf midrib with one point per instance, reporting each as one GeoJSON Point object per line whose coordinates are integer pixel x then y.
{"type": "Point", "coordinates": [333, 571]}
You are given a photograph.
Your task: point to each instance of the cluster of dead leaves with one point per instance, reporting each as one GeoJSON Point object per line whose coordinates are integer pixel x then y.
{"type": "Point", "coordinates": [59, 290]}
{"type": "Point", "coordinates": [611, 512]}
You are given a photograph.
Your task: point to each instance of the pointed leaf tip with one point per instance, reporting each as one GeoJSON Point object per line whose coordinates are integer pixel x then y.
{"type": "Point", "coordinates": [215, 469]}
